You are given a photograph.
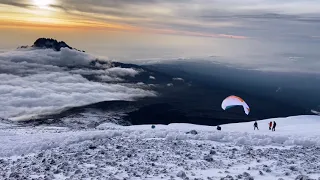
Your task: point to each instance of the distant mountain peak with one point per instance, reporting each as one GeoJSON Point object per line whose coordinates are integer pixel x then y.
{"type": "Point", "coordinates": [49, 43]}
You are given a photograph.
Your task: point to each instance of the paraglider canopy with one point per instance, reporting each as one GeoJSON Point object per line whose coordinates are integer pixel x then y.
{"type": "Point", "coordinates": [232, 101]}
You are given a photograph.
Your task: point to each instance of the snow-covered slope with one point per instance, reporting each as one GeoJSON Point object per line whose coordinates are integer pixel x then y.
{"type": "Point", "coordinates": [297, 125]}
{"type": "Point", "coordinates": [166, 152]}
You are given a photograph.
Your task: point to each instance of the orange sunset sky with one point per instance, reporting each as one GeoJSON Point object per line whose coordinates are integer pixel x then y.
{"type": "Point", "coordinates": [164, 28]}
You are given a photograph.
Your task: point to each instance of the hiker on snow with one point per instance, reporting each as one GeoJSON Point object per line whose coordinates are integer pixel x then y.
{"type": "Point", "coordinates": [270, 125]}
{"type": "Point", "coordinates": [274, 126]}
{"type": "Point", "coordinates": [255, 125]}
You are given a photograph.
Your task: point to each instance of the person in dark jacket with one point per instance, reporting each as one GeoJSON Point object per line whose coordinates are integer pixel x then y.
{"type": "Point", "coordinates": [255, 125]}
{"type": "Point", "coordinates": [274, 126]}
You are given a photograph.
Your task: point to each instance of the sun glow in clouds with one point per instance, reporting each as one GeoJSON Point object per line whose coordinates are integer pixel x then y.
{"type": "Point", "coordinates": [43, 4]}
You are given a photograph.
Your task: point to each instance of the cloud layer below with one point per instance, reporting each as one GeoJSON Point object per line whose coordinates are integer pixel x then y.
{"type": "Point", "coordinates": [37, 82]}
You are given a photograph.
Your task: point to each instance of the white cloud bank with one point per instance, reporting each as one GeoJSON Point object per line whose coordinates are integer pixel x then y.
{"type": "Point", "coordinates": [37, 82]}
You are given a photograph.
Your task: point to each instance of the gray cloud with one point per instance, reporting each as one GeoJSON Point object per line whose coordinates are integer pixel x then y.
{"type": "Point", "coordinates": [273, 27]}
{"type": "Point", "coordinates": [202, 16]}
{"type": "Point", "coordinates": [16, 3]}
{"type": "Point", "coordinates": [252, 18]}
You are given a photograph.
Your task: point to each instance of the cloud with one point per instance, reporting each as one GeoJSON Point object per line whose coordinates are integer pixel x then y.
{"type": "Point", "coordinates": [37, 82]}
{"type": "Point", "coordinates": [109, 74]}
{"type": "Point", "coordinates": [147, 16]}
{"type": "Point", "coordinates": [107, 78]}
{"type": "Point", "coordinates": [206, 18]}
{"type": "Point", "coordinates": [117, 71]}
{"type": "Point", "coordinates": [257, 30]}
{"type": "Point", "coordinates": [15, 3]}
{"type": "Point", "coordinates": [152, 77]}
{"type": "Point", "coordinates": [276, 20]}
{"type": "Point", "coordinates": [65, 57]}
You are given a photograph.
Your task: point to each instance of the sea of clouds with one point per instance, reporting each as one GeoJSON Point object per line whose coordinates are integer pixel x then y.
{"type": "Point", "coordinates": [41, 81]}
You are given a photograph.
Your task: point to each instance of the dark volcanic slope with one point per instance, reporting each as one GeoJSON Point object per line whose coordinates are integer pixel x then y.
{"type": "Point", "coordinates": [200, 104]}
{"type": "Point", "coordinates": [297, 89]}
{"type": "Point", "coordinates": [189, 101]}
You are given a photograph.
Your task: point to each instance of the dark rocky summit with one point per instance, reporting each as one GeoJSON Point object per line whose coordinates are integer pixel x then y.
{"type": "Point", "coordinates": [49, 43]}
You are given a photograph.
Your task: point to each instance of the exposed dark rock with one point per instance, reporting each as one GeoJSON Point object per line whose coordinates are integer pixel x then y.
{"type": "Point", "coordinates": [208, 158]}
{"type": "Point", "coordinates": [14, 175]}
{"type": "Point", "coordinates": [240, 176]}
{"type": "Point", "coordinates": [212, 152]}
{"type": "Point", "coordinates": [268, 170]}
{"type": "Point", "coordinates": [293, 168]}
{"type": "Point", "coordinates": [50, 43]}
{"type": "Point", "coordinates": [249, 178]}
{"type": "Point", "coordinates": [194, 132]}
{"type": "Point", "coordinates": [181, 174]}
{"type": "Point", "coordinates": [245, 174]}
{"type": "Point", "coordinates": [92, 147]}
{"type": "Point", "coordinates": [302, 177]}
{"type": "Point", "coordinates": [228, 177]}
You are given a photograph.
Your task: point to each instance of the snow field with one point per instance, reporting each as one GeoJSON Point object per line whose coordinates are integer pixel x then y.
{"type": "Point", "coordinates": [166, 152]}
{"type": "Point", "coordinates": [17, 141]}
{"type": "Point", "coordinates": [118, 157]}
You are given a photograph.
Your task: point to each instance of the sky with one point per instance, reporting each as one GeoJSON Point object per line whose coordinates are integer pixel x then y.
{"type": "Point", "coordinates": [266, 33]}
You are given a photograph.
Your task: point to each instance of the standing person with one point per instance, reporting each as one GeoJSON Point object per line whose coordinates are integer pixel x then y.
{"type": "Point", "coordinates": [255, 125]}
{"type": "Point", "coordinates": [274, 126]}
{"type": "Point", "coordinates": [270, 125]}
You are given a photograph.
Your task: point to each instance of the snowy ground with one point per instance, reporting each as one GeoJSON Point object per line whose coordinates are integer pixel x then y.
{"type": "Point", "coordinates": [166, 152]}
